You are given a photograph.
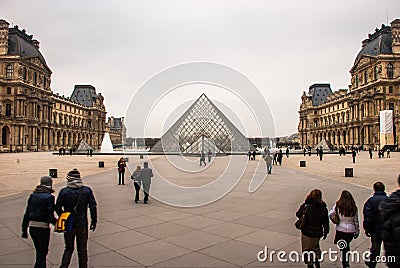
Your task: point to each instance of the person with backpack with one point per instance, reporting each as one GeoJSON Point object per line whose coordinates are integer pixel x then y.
{"type": "Point", "coordinates": [39, 214]}
{"type": "Point", "coordinates": [372, 222]}
{"type": "Point", "coordinates": [76, 199]}
{"type": "Point", "coordinates": [390, 215]}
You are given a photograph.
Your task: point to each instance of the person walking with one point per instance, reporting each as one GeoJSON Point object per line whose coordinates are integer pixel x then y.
{"type": "Point", "coordinates": [321, 153]}
{"type": "Point", "coordinates": [354, 154]}
{"type": "Point", "coordinates": [347, 228]}
{"type": "Point", "coordinates": [254, 155]}
{"type": "Point", "coordinates": [249, 154]}
{"type": "Point", "coordinates": [370, 152]}
{"type": "Point", "coordinates": [203, 158]}
{"type": "Point", "coordinates": [146, 174]}
{"type": "Point", "coordinates": [316, 225]}
{"type": "Point", "coordinates": [77, 198]}
{"type": "Point", "coordinates": [39, 214]}
{"type": "Point", "coordinates": [388, 153]}
{"type": "Point", "coordinates": [209, 156]}
{"type": "Point", "coordinates": [372, 222]}
{"type": "Point", "coordinates": [280, 156]}
{"type": "Point", "coordinates": [274, 161]}
{"type": "Point", "coordinates": [287, 152]}
{"type": "Point", "coordinates": [137, 181]}
{"type": "Point", "coordinates": [268, 161]}
{"type": "Point", "coordinates": [121, 171]}
{"type": "Point", "coordinates": [389, 210]}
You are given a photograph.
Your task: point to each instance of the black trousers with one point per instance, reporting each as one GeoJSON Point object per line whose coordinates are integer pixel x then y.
{"type": "Point", "coordinates": [41, 239]}
{"type": "Point", "coordinates": [348, 237]}
{"type": "Point", "coordinates": [121, 177]}
{"type": "Point", "coordinates": [81, 235]}
{"type": "Point", "coordinates": [137, 190]}
{"type": "Point", "coordinates": [376, 243]}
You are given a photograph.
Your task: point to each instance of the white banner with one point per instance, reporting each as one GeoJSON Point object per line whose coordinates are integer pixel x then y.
{"type": "Point", "coordinates": [386, 121]}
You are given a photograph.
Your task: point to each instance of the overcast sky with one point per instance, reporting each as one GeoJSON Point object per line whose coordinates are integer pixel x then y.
{"type": "Point", "coordinates": [282, 46]}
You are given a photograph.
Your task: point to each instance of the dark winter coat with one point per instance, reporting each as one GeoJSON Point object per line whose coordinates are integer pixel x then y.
{"type": "Point", "coordinates": [40, 208]}
{"type": "Point", "coordinates": [372, 222]}
{"type": "Point", "coordinates": [390, 214]}
{"type": "Point", "coordinates": [317, 222]}
{"type": "Point", "coordinates": [67, 199]}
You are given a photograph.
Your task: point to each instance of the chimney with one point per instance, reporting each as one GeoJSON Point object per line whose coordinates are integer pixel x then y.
{"type": "Point", "coordinates": [3, 37]}
{"type": "Point", "coordinates": [395, 36]}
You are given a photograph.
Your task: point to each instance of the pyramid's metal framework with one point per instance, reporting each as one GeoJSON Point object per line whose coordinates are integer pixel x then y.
{"type": "Point", "coordinates": [202, 127]}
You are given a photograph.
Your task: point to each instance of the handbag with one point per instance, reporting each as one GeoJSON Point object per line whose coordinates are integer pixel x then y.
{"type": "Point", "coordinates": [65, 223]}
{"type": "Point", "coordinates": [301, 222]}
{"type": "Point", "coordinates": [335, 217]}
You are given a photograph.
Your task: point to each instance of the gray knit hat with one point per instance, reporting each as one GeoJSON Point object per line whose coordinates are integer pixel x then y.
{"type": "Point", "coordinates": [46, 181]}
{"type": "Point", "coordinates": [73, 175]}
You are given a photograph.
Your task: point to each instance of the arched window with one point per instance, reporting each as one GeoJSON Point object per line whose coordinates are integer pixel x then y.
{"type": "Point", "coordinates": [365, 77]}
{"type": "Point", "coordinates": [24, 74]}
{"type": "Point", "coordinates": [44, 81]}
{"type": "Point", "coordinates": [9, 71]}
{"type": "Point", "coordinates": [34, 78]}
{"type": "Point", "coordinates": [356, 80]}
{"type": "Point", "coordinates": [376, 72]}
{"type": "Point", "coordinates": [390, 70]}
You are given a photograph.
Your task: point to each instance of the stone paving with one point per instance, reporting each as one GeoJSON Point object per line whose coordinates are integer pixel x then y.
{"type": "Point", "coordinates": [227, 233]}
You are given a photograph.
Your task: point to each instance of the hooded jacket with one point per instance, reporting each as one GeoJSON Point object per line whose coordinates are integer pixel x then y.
{"type": "Point", "coordinates": [390, 214]}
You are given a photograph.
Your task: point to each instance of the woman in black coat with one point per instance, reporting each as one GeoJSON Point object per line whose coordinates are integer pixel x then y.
{"type": "Point", "coordinates": [38, 216]}
{"type": "Point", "coordinates": [316, 225]}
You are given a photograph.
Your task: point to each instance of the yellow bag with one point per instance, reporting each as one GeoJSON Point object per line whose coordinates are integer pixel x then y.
{"type": "Point", "coordinates": [65, 223]}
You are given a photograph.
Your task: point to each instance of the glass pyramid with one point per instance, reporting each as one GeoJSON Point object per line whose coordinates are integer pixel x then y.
{"type": "Point", "coordinates": [202, 127]}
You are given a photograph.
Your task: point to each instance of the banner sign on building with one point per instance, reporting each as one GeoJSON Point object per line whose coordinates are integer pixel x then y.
{"type": "Point", "coordinates": [386, 121]}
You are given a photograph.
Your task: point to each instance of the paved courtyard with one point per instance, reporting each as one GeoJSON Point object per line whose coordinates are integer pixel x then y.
{"type": "Point", "coordinates": [226, 233]}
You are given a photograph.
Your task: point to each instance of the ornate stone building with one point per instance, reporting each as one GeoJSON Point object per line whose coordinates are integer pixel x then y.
{"type": "Point", "coordinates": [351, 117]}
{"type": "Point", "coordinates": [117, 130]}
{"type": "Point", "coordinates": [32, 117]}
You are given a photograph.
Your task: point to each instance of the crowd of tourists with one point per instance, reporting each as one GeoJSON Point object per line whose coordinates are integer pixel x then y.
{"type": "Point", "coordinates": [381, 222]}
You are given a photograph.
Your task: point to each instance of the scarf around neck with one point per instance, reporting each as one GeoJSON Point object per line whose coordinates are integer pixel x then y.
{"type": "Point", "coordinates": [76, 183]}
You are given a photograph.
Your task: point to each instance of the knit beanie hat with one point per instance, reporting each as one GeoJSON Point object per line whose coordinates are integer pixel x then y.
{"type": "Point", "coordinates": [46, 181]}
{"type": "Point", "coordinates": [73, 175]}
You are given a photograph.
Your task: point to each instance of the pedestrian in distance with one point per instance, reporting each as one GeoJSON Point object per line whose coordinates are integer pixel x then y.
{"type": "Point", "coordinates": [309, 152]}
{"type": "Point", "coordinates": [209, 153]}
{"type": "Point", "coordinates": [304, 152]}
{"type": "Point", "coordinates": [90, 152]}
{"type": "Point", "coordinates": [372, 222]}
{"type": "Point", "coordinates": [347, 228]}
{"type": "Point", "coordinates": [268, 161]}
{"type": "Point", "coordinates": [388, 153]}
{"type": "Point", "coordinates": [254, 155]}
{"type": "Point", "coordinates": [60, 151]}
{"type": "Point", "coordinates": [316, 226]}
{"type": "Point", "coordinates": [70, 151]}
{"type": "Point", "coordinates": [76, 198]}
{"type": "Point", "coordinates": [146, 174]}
{"type": "Point", "coordinates": [121, 171]}
{"type": "Point", "coordinates": [202, 158]}
{"type": "Point", "coordinates": [275, 162]}
{"type": "Point", "coordinates": [63, 151]}
{"type": "Point", "coordinates": [39, 214]}
{"type": "Point", "coordinates": [137, 182]}
{"type": "Point", "coordinates": [280, 156]}
{"type": "Point", "coordinates": [287, 152]}
{"type": "Point", "coordinates": [249, 154]}
{"type": "Point", "coordinates": [354, 155]}
{"type": "Point", "coordinates": [370, 152]}
{"type": "Point", "coordinates": [321, 153]}
{"type": "Point", "coordinates": [389, 210]}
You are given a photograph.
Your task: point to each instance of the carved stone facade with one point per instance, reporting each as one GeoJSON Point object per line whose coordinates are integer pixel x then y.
{"type": "Point", "coordinates": [351, 117]}
{"type": "Point", "coordinates": [117, 130]}
{"type": "Point", "coordinates": [32, 117]}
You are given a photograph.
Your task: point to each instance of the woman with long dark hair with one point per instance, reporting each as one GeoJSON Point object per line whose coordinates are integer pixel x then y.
{"type": "Point", "coordinates": [347, 228]}
{"type": "Point", "coordinates": [316, 225]}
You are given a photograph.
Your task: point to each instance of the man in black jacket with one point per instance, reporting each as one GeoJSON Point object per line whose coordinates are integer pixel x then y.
{"type": "Point", "coordinates": [372, 222]}
{"type": "Point", "coordinates": [76, 198]}
{"type": "Point", "coordinates": [390, 214]}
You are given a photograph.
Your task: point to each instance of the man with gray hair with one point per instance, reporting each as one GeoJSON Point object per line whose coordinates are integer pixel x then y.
{"type": "Point", "coordinates": [145, 174]}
